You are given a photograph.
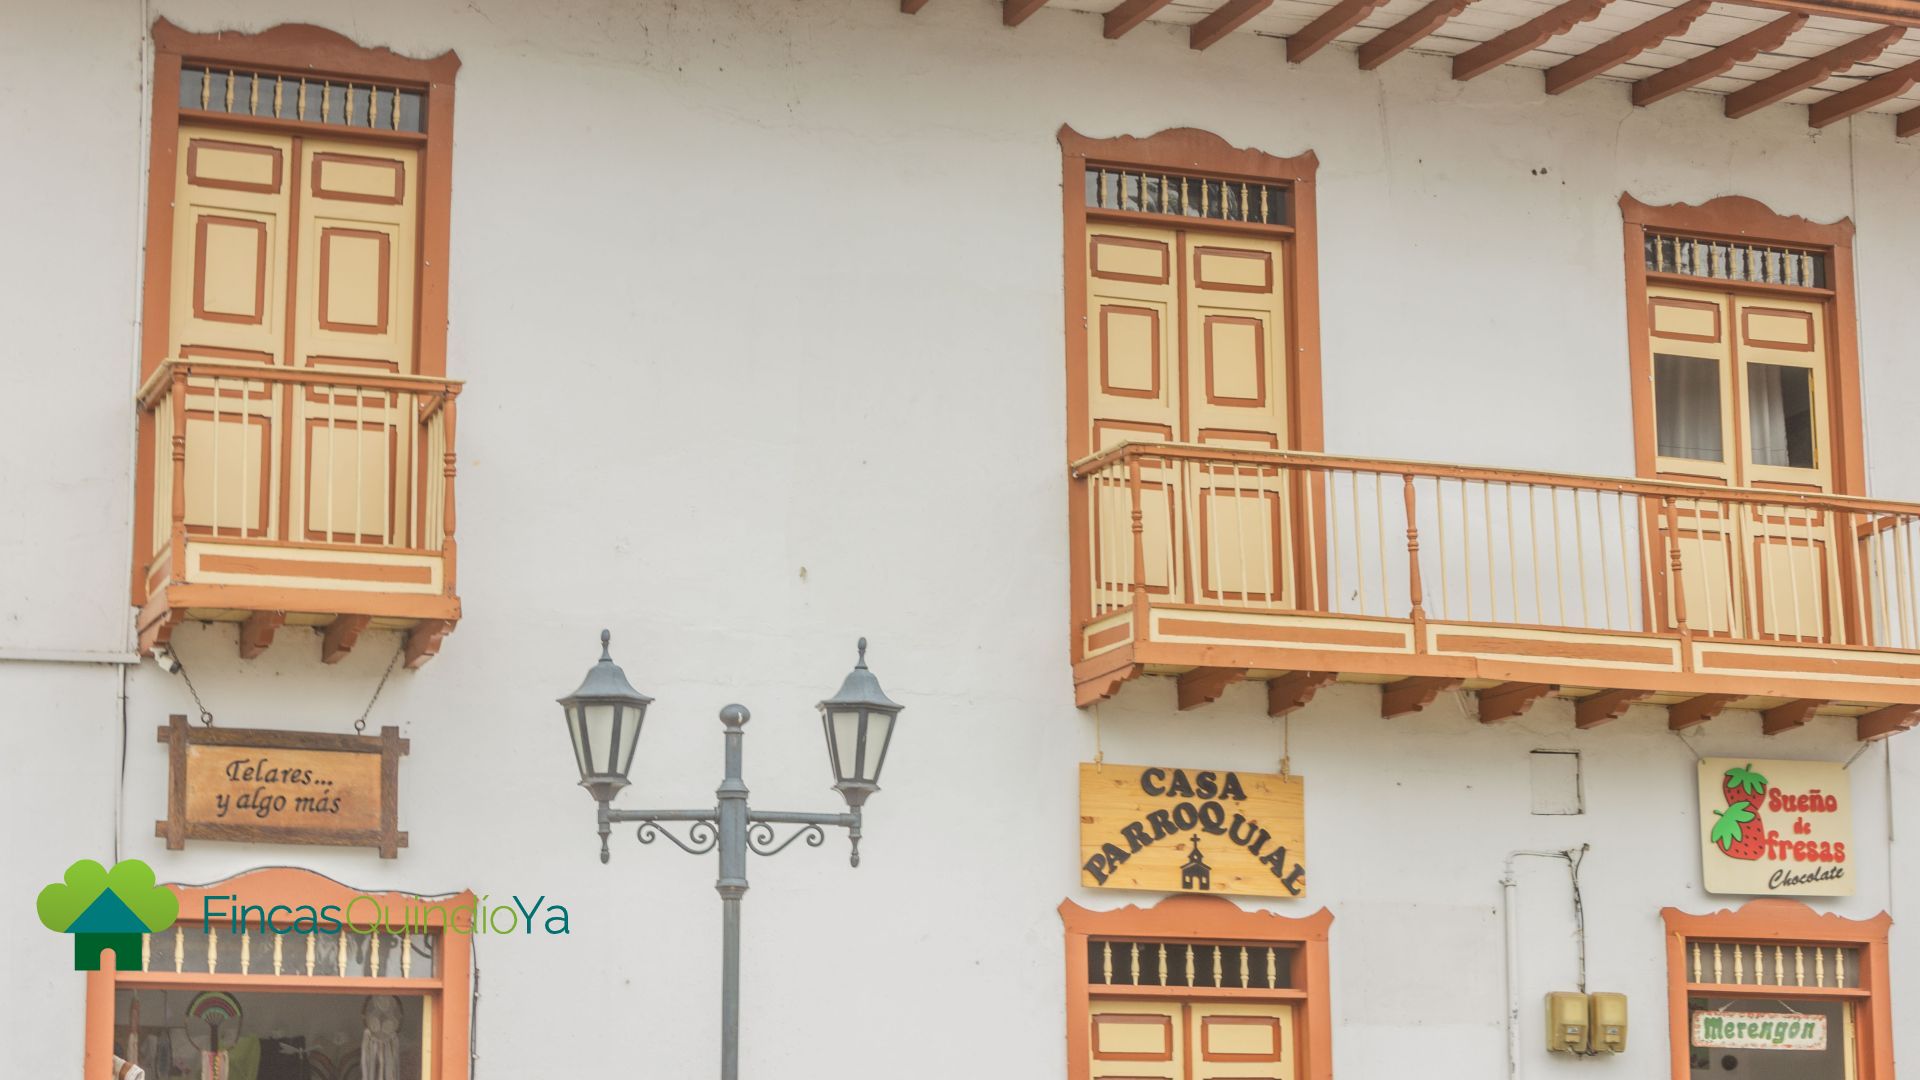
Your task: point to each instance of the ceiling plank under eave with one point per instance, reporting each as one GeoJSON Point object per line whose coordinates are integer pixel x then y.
{"type": "Point", "coordinates": [1874, 91]}
{"type": "Point", "coordinates": [1129, 15]}
{"type": "Point", "coordinates": [1225, 20]}
{"type": "Point", "coordinates": [1883, 12]}
{"type": "Point", "coordinates": [1015, 12]}
{"type": "Point", "coordinates": [1332, 22]}
{"type": "Point", "coordinates": [1716, 61]}
{"type": "Point", "coordinates": [1783, 85]}
{"type": "Point", "coordinates": [1525, 38]}
{"type": "Point", "coordinates": [1615, 51]}
{"type": "Point", "coordinates": [1402, 35]}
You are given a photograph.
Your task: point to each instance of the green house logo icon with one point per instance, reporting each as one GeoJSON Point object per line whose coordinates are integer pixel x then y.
{"type": "Point", "coordinates": [107, 909]}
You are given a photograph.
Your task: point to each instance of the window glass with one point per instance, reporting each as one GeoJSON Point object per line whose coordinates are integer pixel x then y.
{"type": "Point", "coordinates": [1686, 407]}
{"type": "Point", "coordinates": [1803, 1040]}
{"type": "Point", "coordinates": [1780, 414]}
{"type": "Point", "coordinates": [267, 1035]}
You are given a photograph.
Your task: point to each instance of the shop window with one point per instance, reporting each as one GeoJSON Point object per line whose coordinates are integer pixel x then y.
{"type": "Point", "coordinates": [1195, 988]}
{"type": "Point", "coordinates": [273, 1001]}
{"type": "Point", "coordinates": [1775, 990]}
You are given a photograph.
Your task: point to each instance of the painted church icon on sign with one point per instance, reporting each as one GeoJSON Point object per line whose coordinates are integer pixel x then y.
{"type": "Point", "coordinates": [1196, 874]}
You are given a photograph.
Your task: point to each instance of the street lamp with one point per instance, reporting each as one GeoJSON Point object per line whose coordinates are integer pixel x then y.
{"type": "Point", "coordinates": [604, 718]}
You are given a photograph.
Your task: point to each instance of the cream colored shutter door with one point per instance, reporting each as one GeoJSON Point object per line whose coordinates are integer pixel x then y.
{"type": "Point", "coordinates": [1241, 1042]}
{"type": "Point", "coordinates": [1137, 1040]}
{"type": "Point", "coordinates": [1695, 441]}
{"type": "Point", "coordinates": [1134, 390]}
{"type": "Point", "coordinates": [1236, 335]}
{"type": "Point", "coordinates": [228, 305]}
{"type": "Point", "coordinates": [358, 223]}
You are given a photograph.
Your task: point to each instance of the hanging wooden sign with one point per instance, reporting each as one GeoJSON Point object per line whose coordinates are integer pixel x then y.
{"type": "Point", "coordinates": [282, 787]}
{"type": "Point", "coordinates": [1759, 1030]}
{"type": "Point", "coordinates": [1166, 829]}
{"type": "Point", "coordinates": [1776, 828]}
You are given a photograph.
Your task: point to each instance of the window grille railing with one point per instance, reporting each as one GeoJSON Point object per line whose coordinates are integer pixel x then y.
{"type": "Point", "coordinates": [271, 96]}
{"type": "Point", "coordinates": [207, 949]}
{"type": "Point", "coordinates": [1749, 963]}
{"type": "Point", "coordinates": [1189, 965]}
{"type": "Point", "coordinates": [1725, 260]}
{"type": "Point", "coordinates": [1183, 196]}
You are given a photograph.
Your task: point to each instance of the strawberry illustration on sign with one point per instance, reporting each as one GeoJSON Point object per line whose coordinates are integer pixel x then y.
{"type": "Point", "coordinates": [1744, 785]}
{"type": "Point", "coordinates": [1739, 833]}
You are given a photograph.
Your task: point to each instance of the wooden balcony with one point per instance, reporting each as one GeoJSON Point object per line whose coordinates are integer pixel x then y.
{"type": "Point", "coordinates": [279, 496]}
{"type": "Point", "coordinates": [1220, 565]}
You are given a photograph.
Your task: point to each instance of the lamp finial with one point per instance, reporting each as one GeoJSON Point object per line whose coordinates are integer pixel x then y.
{"type": "Point", "coordinates": [606, 637]}
{"type": "Point", "coordinates": [863, 653]}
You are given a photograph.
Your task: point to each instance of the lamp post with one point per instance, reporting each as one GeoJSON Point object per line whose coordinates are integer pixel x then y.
{"type": "Point", "coordinates": [604, 717]}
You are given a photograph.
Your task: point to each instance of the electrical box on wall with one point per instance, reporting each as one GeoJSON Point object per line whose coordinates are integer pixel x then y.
{"type": "Point", "coordinates": [1567, 1018]}
{"type": "Point", "coordinates": [1607, 1020]}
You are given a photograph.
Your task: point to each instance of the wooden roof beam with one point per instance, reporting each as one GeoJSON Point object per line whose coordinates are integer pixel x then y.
{"type": "Point", "coordinates": [1908, 123]}
{"type": "Point", "coordinates": [911, 7]}
{"type": "Point", "coordinates": [1332, 22]}
{"type": "Point", "coordinates": [1412, 694]}
{"type": "Point", "coordinates": [1404, 34]}
{"type": "Point", "coordinates": [1225, 20]}
{"type": "Point", "coordinates": [1695, 711]}
{"type": "Point", "coordinates": [1865, 96]}
{"type": "Point", "coordinates": [1015, 12]}
{"type": "Point", "coordinates": [1716, 61]}
{"type": "Point", "coordinates": [1597, 709]}
{"type": "Point", "coordinates": [1621, 48]}
{"type": "Point", "coordinates": [1509, 700]}
{"type": "Point", "coordinates": [1129, 15]}
{"type": "Point", "coordinates": [1793, 714]}
{"type": "Point", "coordinates": [1891, 720]}
{"type": "Point", "coordinates": [1291, 692]}
{"type": "Point", "coordinates": [1783, 85]}
{"type": "Point", "coordinates": [1525, 38]}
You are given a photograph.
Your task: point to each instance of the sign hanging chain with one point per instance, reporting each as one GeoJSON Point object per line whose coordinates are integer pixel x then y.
{"type": "Point", "coordinates": [206, 714]}
{"type": "Point", "coordinates": [360, 725]}
{"type": "Point", "coordinates": [1286, 745]}
{"type": "Point", "coordinates": [1099, 755]}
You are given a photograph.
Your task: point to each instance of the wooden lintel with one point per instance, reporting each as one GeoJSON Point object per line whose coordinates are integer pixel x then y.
{"type": "Point", "coordinates": [911, 7]}
{"type": "Point", "coordinates": [1783, 85]}
{"type": "Point", "coordinates": [1129, 15]}
{"type": "Point", "coordinates": [1292, 691]}
{"type": "Point", "coordinates": [1508, 700]}
{"type": "Point", "coordinates": [1716, 61]}
{"type": "Point", "coordinates": [1404, 34]}
{"type": "Point", "coordinates": [1907, 124]}
{"type": "Point", "coordinates": [1333, 22]}
{"type": "Point", "coordinates": [1525, 38]}
{"type": "Point", "coordinates": [1789, 716]}
{"type": "Point", "coordinates": [1225, 20]}
{"type": "Point", "coordinates": [256, 633]}
{"type": "Point", "coordinates": [1597, 709]}
{"type": "Point", "coordinates": [423, 641]}
{"type": "Point", "coordinates": [1203, 686]}
{"type": "Point", "coordinates": [341, 634]}
{"type": "Point", "coordinates": [1015, 12]}
{"type": "Point", "coordinates": [1412, 694]}
{"type": "Point", "coordinates": [1874, 91]}
{"type": "Point", "coordinates": [1696, 710]}
{"type": "Point", "coordinates": [1621, 48]}
{"type": "Point", "coordinates": [1103, 686]}
{"type": "Point", "coordinates": [1891, 720]}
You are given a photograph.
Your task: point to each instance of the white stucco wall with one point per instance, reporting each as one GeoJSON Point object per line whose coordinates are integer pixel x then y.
{"type": "Point", "coordinates": [807, 255]}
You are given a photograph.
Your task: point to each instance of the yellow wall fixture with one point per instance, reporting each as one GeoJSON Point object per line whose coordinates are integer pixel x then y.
{"type": "Point", "coordinates": [1608, 1023]}
{"type": "Point", "coordinates": [1567, 1016]}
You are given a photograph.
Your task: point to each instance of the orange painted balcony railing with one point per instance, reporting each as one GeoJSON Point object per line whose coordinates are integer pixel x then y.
{"type": "Point", "coordinates": [279, 496]}
{"type": "Point", "coordinates": [1219, 565]}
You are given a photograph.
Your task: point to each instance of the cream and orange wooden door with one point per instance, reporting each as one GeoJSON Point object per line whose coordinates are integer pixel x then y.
{"type": "Point", "coordinates": [1741, 400]}
{"type": "Point", "coordinates": [295, 253]}
{"type": "Point", "coordinates": [1199, 1040]}
{"type": "Point", "coordinates": [1186, 339]}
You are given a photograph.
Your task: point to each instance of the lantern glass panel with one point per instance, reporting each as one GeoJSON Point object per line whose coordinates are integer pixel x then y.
{"type": "Point", "coordinates": [597, 720]}
{"type": "Point", "coordinates": [846, 743]}
{"type": "Point", "coordinates": [629, 728]}
{"type": "Point", "coordinates": [879, 727]}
